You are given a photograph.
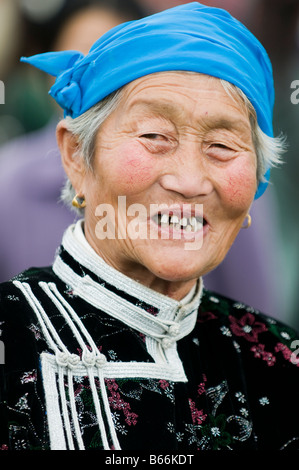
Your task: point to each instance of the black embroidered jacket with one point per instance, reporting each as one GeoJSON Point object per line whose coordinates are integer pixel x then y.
{"type": "Point", "coordinates": [93, 360]}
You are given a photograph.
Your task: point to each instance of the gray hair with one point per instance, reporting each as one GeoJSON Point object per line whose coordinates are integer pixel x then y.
{"type": "Point", "coordinates": [85, 128]}
{"type": "Point", "coordinates": [269, 150]}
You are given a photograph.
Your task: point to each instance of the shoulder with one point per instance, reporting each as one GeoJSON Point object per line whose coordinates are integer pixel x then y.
{"type": "Point", "coordinates": [22, 305]}
{"type": "Point", "coordinates": [31, 276]}
{"type": "Point", "coordinates": [12, 298]}
{"type": "Point", "coordinates": [256, 357]}
{"type": "Point", "coordinates": [263, 336]}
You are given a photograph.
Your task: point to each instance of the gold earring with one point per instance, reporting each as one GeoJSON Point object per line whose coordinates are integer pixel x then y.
{"type": "Point", "coordinates": [248, 216]}
{"type": "Point", "coordinates": [79, 202]}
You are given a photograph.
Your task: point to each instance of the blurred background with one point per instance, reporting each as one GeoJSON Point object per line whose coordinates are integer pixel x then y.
{"type": "Point", "coordinates": [262, 268]}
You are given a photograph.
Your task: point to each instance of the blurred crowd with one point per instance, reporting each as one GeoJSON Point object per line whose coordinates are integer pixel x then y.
{"type": "Point", "coordinates": [262, 268]}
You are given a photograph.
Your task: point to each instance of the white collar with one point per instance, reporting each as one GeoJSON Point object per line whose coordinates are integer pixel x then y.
{"type": "Point", "coordinates": [78, 233]}
{"type": "Point", "coordinates": [110, 290]}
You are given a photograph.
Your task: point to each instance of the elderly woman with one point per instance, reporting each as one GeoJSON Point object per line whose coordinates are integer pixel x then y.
{"type": "Point", "coordinates": [167, 139]}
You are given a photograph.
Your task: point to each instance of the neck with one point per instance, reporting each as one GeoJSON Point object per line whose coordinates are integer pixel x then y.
{"type": "Point", "coordinates": [176, 290]}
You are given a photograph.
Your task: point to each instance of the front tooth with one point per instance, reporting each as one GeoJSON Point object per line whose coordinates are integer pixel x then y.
{"type": "Point", "coordinates": [195, 226]}
{"type": "Point", "coordinates": [164, 219]}
{"type": "Point", "coordinates": [183, 222]}
{"type": "Point", "coordinates": [174, 219]}
{"type": "Point", "coordinates": [198, 226]}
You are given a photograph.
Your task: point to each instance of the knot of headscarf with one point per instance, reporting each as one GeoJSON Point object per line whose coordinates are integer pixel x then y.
{"type": "Point", "coordinates": [189, 37]}
{"type": "Point", "coordinates": [67, 93]}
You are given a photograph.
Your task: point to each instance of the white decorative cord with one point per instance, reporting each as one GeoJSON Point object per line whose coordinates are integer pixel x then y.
{"type": "Point", "coordinates": [89, 359]}
{"type": "Point", "coordinates": [67, 361]}
{"type": "Point", "coordinates": [63, 358]}
{"type": "Point", "coordinates": [108, 411]}
{"type": "Point", "coordinates": [74, 410]}
{"type": "Point", "coordinates": [64, 409]}
{"type": "Point", "coordinates": [42, 317]}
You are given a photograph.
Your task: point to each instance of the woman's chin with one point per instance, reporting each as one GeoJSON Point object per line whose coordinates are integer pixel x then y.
{"type": "Point", "coordinates": [175, 268]}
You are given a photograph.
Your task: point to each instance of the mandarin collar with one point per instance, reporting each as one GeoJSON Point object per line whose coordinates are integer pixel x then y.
{"type": "Point", "coordinates": [106, 288]}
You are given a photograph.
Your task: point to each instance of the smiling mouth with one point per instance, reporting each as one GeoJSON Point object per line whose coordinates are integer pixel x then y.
{"type": "Point", "coordinates": [171, 221]}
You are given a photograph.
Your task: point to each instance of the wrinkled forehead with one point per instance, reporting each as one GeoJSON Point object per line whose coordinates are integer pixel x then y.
{"type": "Point", "coordinates": [173, 91]}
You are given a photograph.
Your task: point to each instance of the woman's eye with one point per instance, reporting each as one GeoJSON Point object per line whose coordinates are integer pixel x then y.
{"type": "Point", "coordinates": [220, 151]}
{"type": "Point", "coordinates": [157, 143]}
{"type": "Point", "coordinates": [220, 146]}
{"type": "Point", "coordinates": [153, 136]}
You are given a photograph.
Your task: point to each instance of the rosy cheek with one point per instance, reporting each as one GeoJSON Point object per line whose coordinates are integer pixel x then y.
{"type": "Point", "coordinates": [133, 171]}
{"type": "Point", "coordinates": [239, 189]}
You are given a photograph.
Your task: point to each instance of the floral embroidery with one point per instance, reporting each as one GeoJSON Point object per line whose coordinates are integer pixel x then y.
{"type": "Point", "coordinates": [198, 417]}
{"type": "Point", "coordinates": [179, 436]}
{"type": "Point", "coordinates": [112, 355]}
{"type": "Point", "coordinates": [259, 352]}
{"type": "Point", "coordinates": [215, 432]}
{"type": "Point", "coordinates": [170, 427]}
{"type": "Point", "coordinates": [285, 335]}
{"type": "Point", "coordinates": [36, 331]}
{"type": "Point", "coordinates": [69, 291]}
{"type": "Point", "coordinates": [163, 384]}
{"type": "Point", "coordinates": [264, 401]}
{"type": "Point", "coordinates": [225, 331]}
{"type": "Point", "coordinates": [202, 385]}
{"type": "Point", "coordinates": [29, 377]}
{"type": "Point", "coordinates": [237, 346]}
{"type": "Point", "coordinates": [244, 412]}
{"type": "Point", "coordinates": [247, 326]}
{"type": "Point", "coordinates": [13, 298]}
{"type": "Point", "coordinates": [239, 305]}
{"type": "Point", "coordinates": [240, 397]}
{"type": "Point", "coordinates": [23, 403]}
{"type": "Point", "coordinates": [117, 403]}
{"type": "Point", "coordinates": [191, 432]}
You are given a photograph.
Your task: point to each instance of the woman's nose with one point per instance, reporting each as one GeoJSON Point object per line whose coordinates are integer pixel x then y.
{"type": "Point", "coordinates": [188, 175]}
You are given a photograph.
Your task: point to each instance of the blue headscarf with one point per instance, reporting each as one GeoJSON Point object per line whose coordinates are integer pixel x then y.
{"type": "Point", "coordinates": [190, 37]}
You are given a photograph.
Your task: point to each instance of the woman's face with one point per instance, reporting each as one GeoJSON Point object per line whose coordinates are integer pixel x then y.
{"type": "Point", "coordinates": [179, 141]}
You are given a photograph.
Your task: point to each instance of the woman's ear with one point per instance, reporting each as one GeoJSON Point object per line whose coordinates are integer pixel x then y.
{"type": "Point", "coordinates": [72, 161]}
